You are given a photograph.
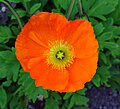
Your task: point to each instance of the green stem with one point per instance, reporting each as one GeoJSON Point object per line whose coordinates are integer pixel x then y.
{"type": "Point", "coordinates": [25, 5]}
{"type": "Point", "coordinates": [13, 11]}
{"type": "Point", "coordinates": [70, 8]}
{"type": "Point", "coordinates": [80, 8]}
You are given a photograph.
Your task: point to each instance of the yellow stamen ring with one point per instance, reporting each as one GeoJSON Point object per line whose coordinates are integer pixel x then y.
{"type": "Point", "coordinates": [60, 54]}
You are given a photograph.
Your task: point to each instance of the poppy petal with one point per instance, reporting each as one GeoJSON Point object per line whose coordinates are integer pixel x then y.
{"type": "Point", "coordinates": [27, 49]}
{"type": "Point", "coordinates": [39, 72]}
{"type": "Point", "coordinates": [57, 79]}
{"type": "Point", "coordinates": [80, 72]}
{"type": "Point", "coordinates": [80, 34]}
{"type": "Point", "coordinates": [48, 77]}
{"type": "Point", "coordinates": [49, 26]}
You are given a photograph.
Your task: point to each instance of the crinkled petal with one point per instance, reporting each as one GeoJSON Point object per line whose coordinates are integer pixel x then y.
{"type": "Point", "coordinates": [27, 49]}
{"type": "Point", "coordinates": [56, 79]}
{"type": "Point", "coordinates": [80, 34]}
{"type": "Point", "coordinates": [80, 72]}
{"type": "Point", "coordinates": [46, 26]}
{"type": "Point", "coordinates": [40, 72]}
{"type": "Point", "coordinates": [48, 77]}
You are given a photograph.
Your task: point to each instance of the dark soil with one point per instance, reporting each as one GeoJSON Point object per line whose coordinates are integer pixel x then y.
{"type": "Point", "coordinates": [103, 98]}
{"type": "Point", "coordinates": [39, 104]}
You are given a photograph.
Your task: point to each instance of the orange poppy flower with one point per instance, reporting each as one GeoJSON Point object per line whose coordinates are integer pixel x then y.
{"type": "Point", "coordinates": [60, 55]}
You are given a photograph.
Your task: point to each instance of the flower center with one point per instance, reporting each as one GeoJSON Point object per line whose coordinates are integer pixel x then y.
{"type": "Point", "coordinates": [60, 54]}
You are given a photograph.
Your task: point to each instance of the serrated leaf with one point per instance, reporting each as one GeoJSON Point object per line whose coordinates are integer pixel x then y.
{"type": "Point", "coordinates": [7, 83]}
{"type": "Point", "coordinates": [3, 98]}
{"type": "Point", "coordinates": [82, 91]}
{"type": "Point", "coordinates": [103, 57]}
{"type": "Point", "coordinates": [72, 102]}
{"type": "Point", "coordinates": [110, 45]}
{"type": "Point", "coordinates": [9, 66]}
{"type": "Point", "coordinates": [56, 3]}
{"type": "Point", "coordinates": [20, 12]}
{"type": "Point", "coordinates": [96, 80]}
{"type": "Point", "coordinates": [102, 8]}
{"type": "Point", "coordinates": [105, 37]}
{"type": "Point", "coordinates": [43, 92]}
{"type": "Point", "coordinates": [81, 100]}
{"type": "Point", "coordinates": [108, 23]}
{"type": "Point", "coordinates": [51, 103]}
{"type": "Point", "coordinates": [67, 95]}
{"type": "Point", "coordinates": [64, 4]}
{"type": "Point", "coordinates": [13, 102]}
{"type": "Point", "coordinates": [15, 30]}
{"type": "Point", "coordinates": [30, 89]}
{"type": "Point", "coordinates": [34, 8]}
{"type": "Point", "coordinates": [43, 3]}
{"type": "Point", "coordinates": [116, 14]}
{"type": "Point", "coordinates": [104, 74]}
{"type": "Point", "coordinates": [5, 34]}
{"type": "Point", "coordinates": [86, 5]}
{"type": "Point", "coordinates": [98, 28]}
{"type": "Point", "coordinates": [34, 94]}
{"type": "Point", "coordinates": [56, 95]}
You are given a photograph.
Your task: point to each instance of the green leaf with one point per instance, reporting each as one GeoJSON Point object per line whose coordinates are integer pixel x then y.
{"type": "Point", "coordinates": [34, 8]}
{"type": "Point", "coordinates": [81, 100]}
{"type": "Point", "coordinates": [51, 103]}
{"type": "Point", "coordinates": [3, 98]}
{"type": "Point", "coordinates": [64, 4]}
{"type": "Point", "coordinates": [43, 3]}
{"type": "Point", "coordinates": [56, 95]}
{"type": "Point", "coordinates": [5, 34]}
{"type": "Point", "coordinates": [56, 3]}
{"type": "Point", "coordinates": [21, 106]}
{"type": "Point", "coordinates": [67, 95]}
{"type": "Point", "coordinates": [72, 102]}
{"type": "Point", "coordinates": [86, 5]}
{"type": "Point", "coordinates": [43, 92]}
{"type": "Point", "coordinates": [105, 37]}
{"type": "Point", "coordinates": [20, 12]}
{"type": "Point", "coordinates": [116, 14]}
{"type": "Point", "coordinates": [94, 22]}
{"type": "Point", "coordinates": [110, 45]}
{"type": "Point", "coordinates": [103, 57]}
{"type": "Point", "coordinates": [9, 66]}
{"type": "Point", "coordinates": [108, 23]}
{"type": "Point", "coordinates": [96, 80]}
{"type": "Point", "coordinates": [30, 89]}
{"type": "Point", "coordinates": [7, 83]}
{"type": "Point", "coordinates": [15, 30]}
{"type": "Point", "coordinates": [34, 94]}
{"type": "Point", "coordinates": [13, 102]}
{"type": "Point", "coordinates": [98, 28]}
{"type": "Point", "coordinates": [103, 7]}
{"type": "Point", "coordinates": [15, 1]}
{"type": "Point", "coordinates": [104, 74]}
{"type": "Point", "coordinates": [82, 91]}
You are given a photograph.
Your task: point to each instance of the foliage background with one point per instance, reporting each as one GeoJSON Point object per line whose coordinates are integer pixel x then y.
{"type": "Point", "coordinates": [17, 88]}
